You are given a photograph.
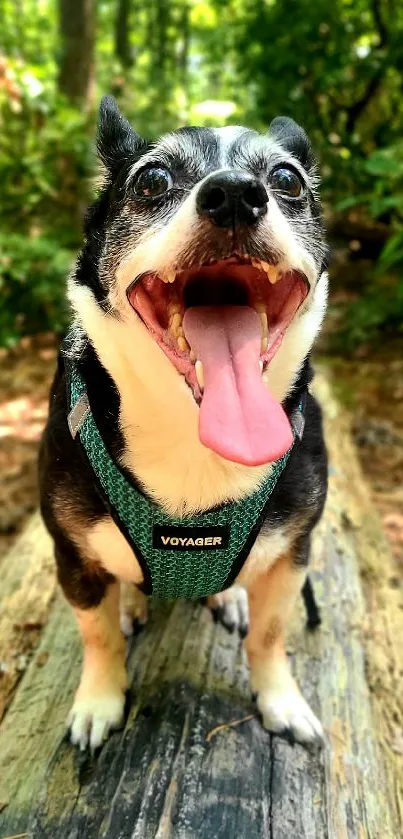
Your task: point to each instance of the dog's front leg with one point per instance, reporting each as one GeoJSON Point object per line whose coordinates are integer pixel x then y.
{"type": "Point", "coordinates": [272, 596]}
{"type": "Point", "coordinates": [99, 702]}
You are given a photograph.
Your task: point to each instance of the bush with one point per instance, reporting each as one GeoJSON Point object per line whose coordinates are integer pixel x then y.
{"type": "Point", "coordinates": [45, 164]}
{"type": "Point", "coordinates": [381, 307]}
{"type": "Point", "coordinates": [379, 313]}
{"type": "Point", "coordinates": [32, 286]}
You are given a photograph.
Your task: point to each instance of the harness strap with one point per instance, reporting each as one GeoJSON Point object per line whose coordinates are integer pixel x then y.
{"type": "Point", "coordinates": [181, 557]}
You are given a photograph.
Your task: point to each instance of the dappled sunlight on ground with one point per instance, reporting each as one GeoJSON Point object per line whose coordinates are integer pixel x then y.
{"type": "Point", "coordinates": [25, 377]}
{"type": "Point", "coordinates": [22, 418]}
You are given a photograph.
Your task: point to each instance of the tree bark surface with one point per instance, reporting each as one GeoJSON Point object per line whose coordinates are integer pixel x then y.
{"type": "Point", "coordinates": [76, 60]}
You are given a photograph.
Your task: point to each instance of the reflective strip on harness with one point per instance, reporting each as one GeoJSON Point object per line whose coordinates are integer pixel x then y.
{"type": "Point", "coordinates": [78, 414]}
{"type": "Point", "coordinates": [188, 557]}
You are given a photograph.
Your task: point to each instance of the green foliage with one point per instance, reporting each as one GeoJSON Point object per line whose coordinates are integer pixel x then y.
{"type": "Point", "coordinates": [384, 196]}
{"type": "Point", "coordinates": [32, 286]}
{"type": "Point", "coordinates": [373, 317]}
{"type": "Point", "coordinates": [337, 68]}
{"type": "Point", "coordinates": [44, 165]}
{"type": "Point", "coordinates": [380, 310]}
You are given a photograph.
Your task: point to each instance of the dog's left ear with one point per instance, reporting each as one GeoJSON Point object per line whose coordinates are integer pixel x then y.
{"type": "Point", "coordinates": [116, 140]}
{"type": "Point", "coordinates": [293, 138]}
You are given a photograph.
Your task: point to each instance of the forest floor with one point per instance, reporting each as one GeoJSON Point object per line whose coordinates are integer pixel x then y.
{"type": "Point", "coordinates": [25, 377]}
{"type": "Point", "coordinates": [370, 385]}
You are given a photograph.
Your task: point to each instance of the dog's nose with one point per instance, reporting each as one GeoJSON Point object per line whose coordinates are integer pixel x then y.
{"type": "Point", "coordinates": [231, 198]}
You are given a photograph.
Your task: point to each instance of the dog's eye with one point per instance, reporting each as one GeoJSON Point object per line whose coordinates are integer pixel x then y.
{"type": "Point", "coordinates": [286, 181]}
{"type": "Point", "coordinates": [153, 181]}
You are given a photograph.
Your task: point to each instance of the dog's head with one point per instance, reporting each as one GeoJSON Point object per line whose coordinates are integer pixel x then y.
{"type": "Point", "coordinates": [208, 247]}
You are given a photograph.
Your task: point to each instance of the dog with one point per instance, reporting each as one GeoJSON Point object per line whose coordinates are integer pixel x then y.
{"type": "Point", "coordinates": [197, 296]}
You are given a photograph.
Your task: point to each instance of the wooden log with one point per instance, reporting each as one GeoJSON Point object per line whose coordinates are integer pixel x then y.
{"type": "Point", "coordinates": [351, 512]}
{"type": "Point", "coordinates": [27, 587]}
{"type": "Point", "coordinates": [170, 774]}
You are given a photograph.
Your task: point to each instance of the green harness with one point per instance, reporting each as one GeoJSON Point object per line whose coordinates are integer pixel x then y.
{"type": "Point", "coordinates": [189, 557]}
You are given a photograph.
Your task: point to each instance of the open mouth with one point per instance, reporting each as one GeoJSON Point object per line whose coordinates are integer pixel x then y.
{"type": "Point", "coordinates": [220, 325]}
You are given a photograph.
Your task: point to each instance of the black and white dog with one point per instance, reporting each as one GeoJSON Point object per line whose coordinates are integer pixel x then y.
{"type": "Point", "coordinates": [197, 296]}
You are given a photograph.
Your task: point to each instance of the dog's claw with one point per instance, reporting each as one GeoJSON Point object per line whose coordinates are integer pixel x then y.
{"type": "Point", "coordinates": [231, 609]}
{"type": "Point", "coordinates": [133, 609]}
{"type": "Point", "coordinates": [92, 720]}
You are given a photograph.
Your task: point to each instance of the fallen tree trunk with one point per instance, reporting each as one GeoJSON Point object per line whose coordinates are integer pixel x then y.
{"type": "Point", "coordinates": [27, 587]}
{"type": "Point", "coordinates": [193, 761]}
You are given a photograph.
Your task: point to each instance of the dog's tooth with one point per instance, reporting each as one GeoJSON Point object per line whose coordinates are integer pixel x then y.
{"type": "Point", "coordinates": [199, 373]}
{"type": "Point", "coordinates": [176, 323]}
{"type": "Point", "coordinates": [174, 307]}
{"type": "Point", "coordinates": [183, 344]}
{"type": "Point", "coordinates": [260, 307]}
{"type": "Point", "coordinates": [169, 276]}
{"type": "Point", "coordinates": [265, 331]}
{"type": "Point", "coordinates": [192, 356]}
{"type": "Point", "coordinates": [261, 364]}
{"type": "Point", "coordinates": [272, 274]}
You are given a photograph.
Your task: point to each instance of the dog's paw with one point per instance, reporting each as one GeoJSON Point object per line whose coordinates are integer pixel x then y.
{"type": "Point", "coordinates": [133, 609]}
{"type": "Point", "coordinates": [289, 715]}
{"type": "Point", "coordinates": [231, 608]}
{"type": "Point", "coordinates": [91, 720]}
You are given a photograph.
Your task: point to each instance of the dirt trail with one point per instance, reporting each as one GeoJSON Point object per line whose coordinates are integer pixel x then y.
{"type": "Point", "coordinates": [25, 377]}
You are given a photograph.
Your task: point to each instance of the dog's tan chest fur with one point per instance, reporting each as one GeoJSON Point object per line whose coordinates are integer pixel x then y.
{"type": "Point", "coordinates": [106, 545]}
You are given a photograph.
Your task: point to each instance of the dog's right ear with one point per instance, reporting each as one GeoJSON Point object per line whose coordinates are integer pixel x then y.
{"type": "Point", "coordinates": [292, 137]}
{"type": "Point", "coordinates": [116, 140]}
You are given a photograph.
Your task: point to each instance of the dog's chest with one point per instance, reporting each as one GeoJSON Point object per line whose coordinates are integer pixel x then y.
{"type": "Point", "coordinates": [107, 546]}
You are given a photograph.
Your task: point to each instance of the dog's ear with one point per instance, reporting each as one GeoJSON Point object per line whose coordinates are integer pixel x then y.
{"type": "Point", "coordinates": [293, 138]}
{"type": "Point", "coordinates": [116, 140]}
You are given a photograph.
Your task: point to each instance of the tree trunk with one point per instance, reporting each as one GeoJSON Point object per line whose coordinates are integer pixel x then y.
{"type": "Point", "coordinates": [162, 16]}
{"type": "Point", "coordinates": [123, 49]}
{"type": "Point", "coordinates": [77, 35]}
{"type": "Point", "coordinates": [184, 50]}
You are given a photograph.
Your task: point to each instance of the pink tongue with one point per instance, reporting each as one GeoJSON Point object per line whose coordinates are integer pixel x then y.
{"type": "Point", "coordinates": [239, 418]}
